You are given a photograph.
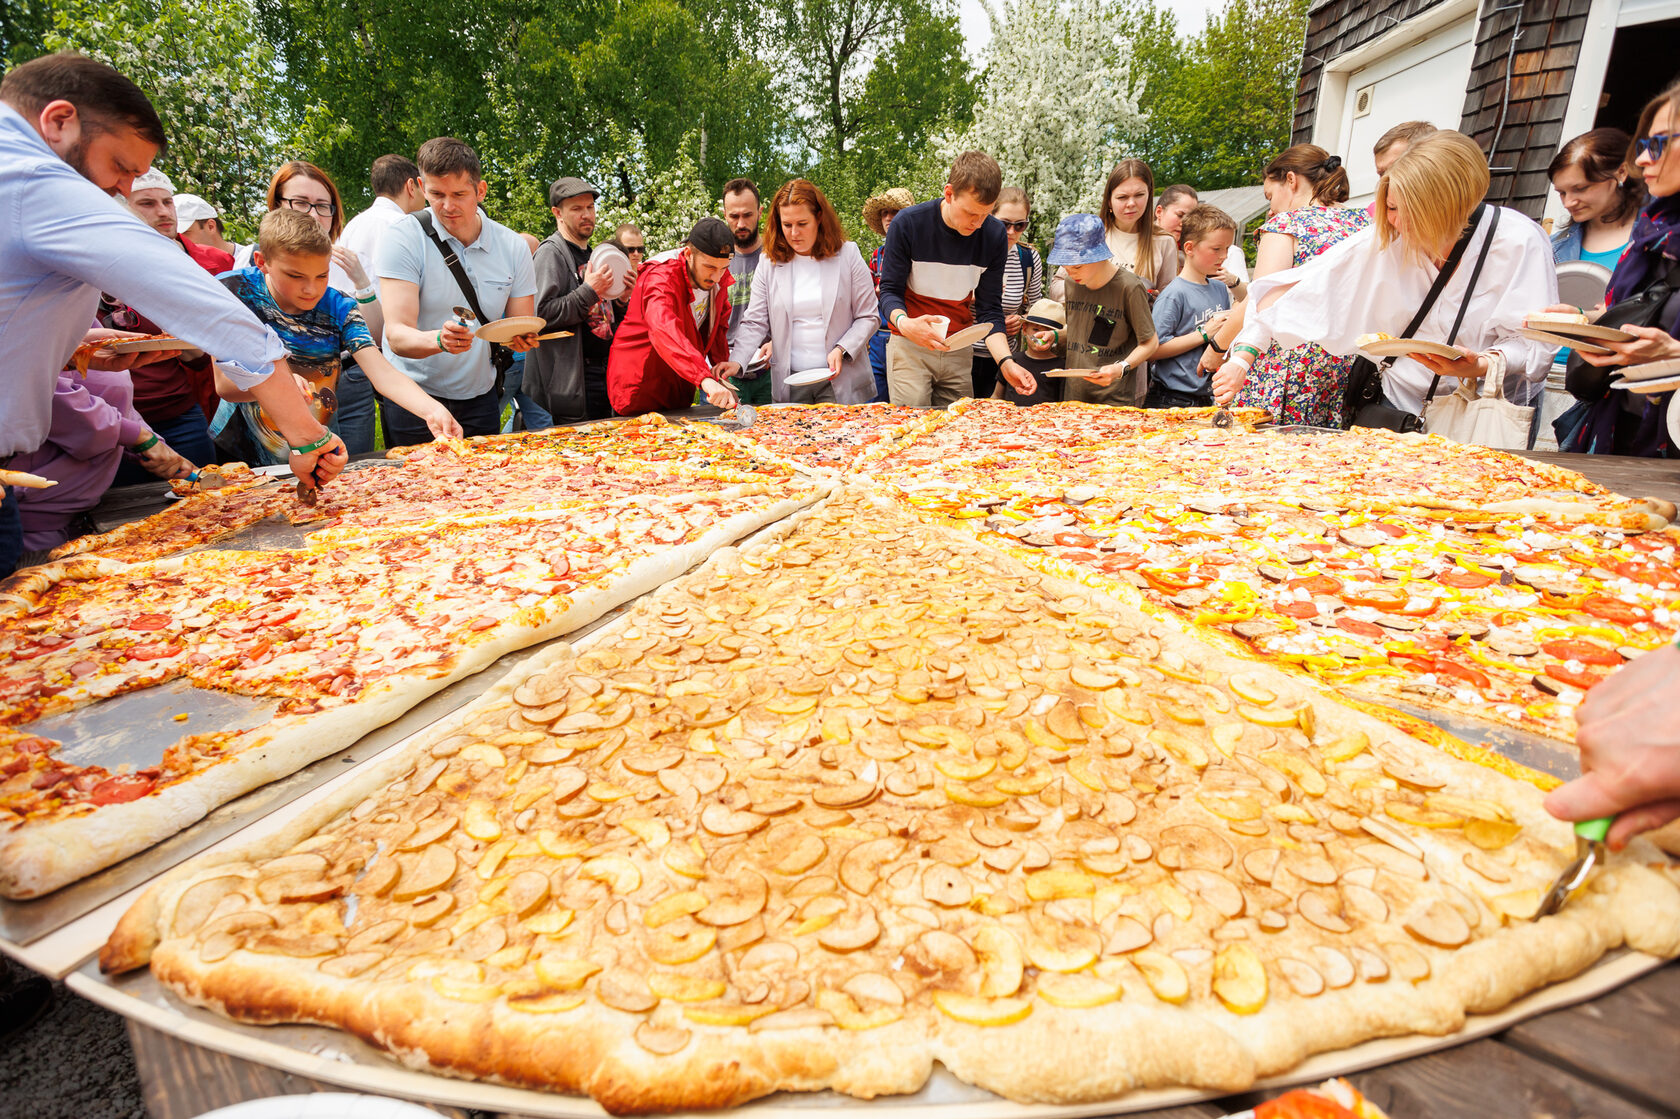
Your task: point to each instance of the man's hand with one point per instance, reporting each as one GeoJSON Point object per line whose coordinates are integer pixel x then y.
{"type": "Point", "coordinates": [352, 265]}
{"type": "Point", "coordinates": [1630, 750]}
{"type": "Point", "coordinates": [115, 363]}
{"type": "Point", "coordinates": [440, 422]}
{"type": "Point", "coordinates": [162, 461]}
{"type": "Point", "coordinates": [1652, 345]}
{"type": "Point", "coordinates": [456, 338]}
{"type": "Point", "coordinates": [1012, 324]}
{"type": "Point", "coordinates": [1210, 361]}
{"type": "Point", "coordinates": [1229, 381]}
{"type": "Point", "coordinates": [920, 331]}
{"type": "Point", "coordinates": [317, 468]}
{"type": "Point", "coordinates": [599, 277]}
{"type": "Point", "coordinates": [1471, 366]}
{"type": "Point", "coordinates": [718, 394]}
{"type": "Point", "coordinates": [1019, 379]}
{"type": "Point", "coordinates": [523, 343]}
{"type": "Point", "coordinates": [1104, 376]}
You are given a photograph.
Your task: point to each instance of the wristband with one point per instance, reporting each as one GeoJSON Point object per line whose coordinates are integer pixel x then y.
{"type": "Point", "coordinates": [441, 347]}
{"type": "Point", "coordinates": [1245, 348]}
{"type": "Point", "coordinates": [152, 439]}
{"type": "Point", "coordinates": [311, 448]}
{"type": "Point", "coordinates": [892, 321]}
{"type": "Point", "coordinates": [367, 295]}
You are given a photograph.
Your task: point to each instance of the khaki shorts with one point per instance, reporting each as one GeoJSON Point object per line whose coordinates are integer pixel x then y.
{"type": "Point", "coordinates": [917, 377]}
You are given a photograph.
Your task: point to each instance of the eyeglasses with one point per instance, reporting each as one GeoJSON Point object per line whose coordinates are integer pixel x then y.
{"type": "Point", "coordinates": [304, 206]}
{"type": "Point", "coordinates": [1015, 226]}
{"type": "Point", "coordinates": [1654, 146]}
{"type": "Point", "coordinates": [639, 250]}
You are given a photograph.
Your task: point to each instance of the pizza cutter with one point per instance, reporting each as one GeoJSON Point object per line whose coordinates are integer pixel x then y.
{"type": "Point", "coordinates": [1589, 853]}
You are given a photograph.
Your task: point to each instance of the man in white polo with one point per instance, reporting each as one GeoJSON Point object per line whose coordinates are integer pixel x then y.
{"type": "Point", "coordinates": [420, 291]}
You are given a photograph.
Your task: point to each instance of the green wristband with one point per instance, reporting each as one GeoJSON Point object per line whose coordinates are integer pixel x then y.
{"type": "Point", "coordinates": [1245, 348]}
{"type": "Point", "coordinates": [146, 444]}
{"type": "Point", "coordinates": [440, 341]}
{"type": "Point", "coordinates": [311, 448]}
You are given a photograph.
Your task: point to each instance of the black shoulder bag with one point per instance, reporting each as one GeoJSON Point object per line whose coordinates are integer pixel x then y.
{"type": "Point", "coordinates": [1363, 403]}
{"type": "Point", "coordinates": [501, 358]}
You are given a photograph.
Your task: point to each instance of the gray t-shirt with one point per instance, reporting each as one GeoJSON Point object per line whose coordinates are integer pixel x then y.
{"type": "Point", "coordinates": [1180, 308]}
{"type": "Point", "coordinates": [1104, 325]}
{"type": "Point", "coordinates": [741, 266]}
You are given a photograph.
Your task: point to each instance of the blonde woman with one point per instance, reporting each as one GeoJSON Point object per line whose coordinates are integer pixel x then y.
{"type": "Point", "coordinates": [1375, 280]}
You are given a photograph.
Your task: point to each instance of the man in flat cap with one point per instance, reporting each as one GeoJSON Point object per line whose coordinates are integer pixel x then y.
{"type": "Point", "coordinates": [675, 336]}
{"type": "Point", "coordinates": [567, 377]}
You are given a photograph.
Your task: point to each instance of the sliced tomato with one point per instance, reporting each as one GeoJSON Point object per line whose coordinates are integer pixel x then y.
{"type": "Point", "coordinates": [148, 621]}
{"type": "Point", "coordinates": [1463, 580]}
{"type": "Point", "coordinates": [1383, 526]}
{"type": "Point", "coordinates": [1316, 546]}
{"type": "Point", "coordinates": [1079, 556]}
{"type": "Point", "coordinates": [1434, 642]}
{"type": "Point", "coordinates": [1648, 573]}
{"type": "Point", "coordinates": [1074, 540]}
{"type": "Point", "coordinates": [1472, 676]}
{"type": "Point", "coordinates": [121, 789]}
{"type": "Point", "coordinates": [1385, 601]}
{"type": "Point", "coordinates": [1177, 579]}
{"type": "Point", "coordinates": [1122, 561]}
{"type": "Point", "coordinates": [1359, 628]}
{"type": "Point", "coordinates": [1587, 652]}
{"type": "Point", "coordinates": [1575, 678]}
{"type": "Point", "coordinates": [1614, 609]}
{"type": "Point", "coordinates": [1302, 1104]}
{"type": "Point", "coordinates": [1316, 584]}
{"type": "Point", "coordinates": [1299, 609]}
{"type": "Point", "coordinates": [155, 651]}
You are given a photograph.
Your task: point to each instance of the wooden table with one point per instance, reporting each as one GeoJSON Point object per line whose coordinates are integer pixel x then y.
{"type": "Point", "coordinates": [1606, 1059]}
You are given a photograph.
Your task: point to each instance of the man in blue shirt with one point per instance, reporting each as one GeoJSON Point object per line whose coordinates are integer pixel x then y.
{"type": "Point", "coordinates": [73, 132]}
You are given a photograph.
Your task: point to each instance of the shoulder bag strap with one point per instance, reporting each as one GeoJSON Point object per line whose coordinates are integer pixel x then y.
{"type": "Point", "coordinates": [453, 263]}
{"type": "Point", "coordinates": [1469, 290]}
{"type": "Point", "coordinates": [1448, 269]}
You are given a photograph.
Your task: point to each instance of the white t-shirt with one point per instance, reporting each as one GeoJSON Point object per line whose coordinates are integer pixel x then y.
{"type": "Point", "coordinates": [807, 348]}
{"type": "Point", "coordinates": [361, 236]}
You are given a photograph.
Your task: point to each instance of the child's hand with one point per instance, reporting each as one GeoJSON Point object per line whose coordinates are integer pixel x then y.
{"type": "Point", "coordinates": [440, 422]}
{"type": "Point", "coordinates": [352, 265]}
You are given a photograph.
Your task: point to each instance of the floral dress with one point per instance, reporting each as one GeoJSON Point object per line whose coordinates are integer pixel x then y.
{"type": "Point", "coordinates": [1304, 385]}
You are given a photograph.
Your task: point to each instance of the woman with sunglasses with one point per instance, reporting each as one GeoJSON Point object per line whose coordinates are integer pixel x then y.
{"type": "Point", "coordinates": [1023, 283]}
{"type": "Point", "coordinates": [1614, 423]}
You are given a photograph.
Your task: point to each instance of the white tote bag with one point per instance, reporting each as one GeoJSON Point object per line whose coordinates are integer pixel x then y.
{"type": "Point", "coordinates": [1487, 419]}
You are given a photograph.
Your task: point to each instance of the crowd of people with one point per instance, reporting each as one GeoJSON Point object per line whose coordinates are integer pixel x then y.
{"type": "Point", "coordinates": [1148, 301]}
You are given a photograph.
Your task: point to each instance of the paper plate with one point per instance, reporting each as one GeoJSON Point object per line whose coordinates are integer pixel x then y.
{"type": "Point", "coordinates": [1651, 371]}
{"type": "Point", "coordinates": [1066, 373]}
{"type": "Point", "coordinates": [809, 377]}
{"type": "Point", "coordinates": [505, 330]}
{"type": "Point", "coordinates": [323, 1105]}
{"type": "Point", "coordinates": [1539, 335]}
{"type": "Point", "coordinates": [968, 335]}
{"type": "Point", "coordinates": [1649, 387]}
{"type": "Point", "coordinates": [152, 345]}
{"type": "Point", "coordinates": [1582, 283]}
{"type": "Point", "coordinates": [615, 262]}
{"type": "Point", "coordinates": [1404, 347]}
{"type": "Point", "coordinates": [1584, 330]}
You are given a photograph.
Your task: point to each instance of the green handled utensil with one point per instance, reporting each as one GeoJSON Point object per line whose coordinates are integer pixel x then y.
{"type": "Point", "coordinates": [1589, 853]}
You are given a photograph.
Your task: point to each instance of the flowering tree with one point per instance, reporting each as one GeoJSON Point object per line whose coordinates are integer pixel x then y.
{"type": "Point", "coordinates": [1055, 110]}
{"type": "Point", "coordinates": [664, 204]}
{"type": "Point", "coordinates": [212, 79]}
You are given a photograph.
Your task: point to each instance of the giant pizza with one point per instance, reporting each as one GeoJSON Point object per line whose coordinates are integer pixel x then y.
{"type": "Point", "coordinates": [874, 795]}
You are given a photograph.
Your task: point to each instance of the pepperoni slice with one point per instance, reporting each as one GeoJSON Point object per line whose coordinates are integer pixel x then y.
{"type": "Point", "coordinates": [1463, 580]}
{"type": "Point", "coordinates": [1316, 584]}
{"type": "Point", "coordinates": [1359, 628]}
{"type": "Point", "coordinates": [1614, 609]}
{"type": "Point", "coordinates": [157, 650]}
{"type": "Point", "coordinates": [1299, 609]}
{"type": "Point", "coordinates": [148, 621]}
{"type": "Point", "coordinates": [1575, 678]}
{"type": "Point", "coordinates": [1587, 652]}
{"type": "Point", "coordinates": [1382, 526]}
{"type": "Point", "coordinates": [121, 789]}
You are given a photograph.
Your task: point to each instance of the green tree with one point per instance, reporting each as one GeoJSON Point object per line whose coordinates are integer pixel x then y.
{"type": "Point", "coordinates": [23, 30]}
{"type": "Point", "coordinates": [921, 86]}
{"type": "Point", "coordinates": [665, 204]}
{"type": "Point", "coordinates": [209, 74]}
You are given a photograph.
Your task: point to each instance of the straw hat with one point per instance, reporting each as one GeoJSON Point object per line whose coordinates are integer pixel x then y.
{"type": "Point", "coordinates": [895, 199]}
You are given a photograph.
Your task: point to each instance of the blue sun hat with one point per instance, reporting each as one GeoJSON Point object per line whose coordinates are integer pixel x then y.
{"type": "Point", "coordinates": [1080, 240]}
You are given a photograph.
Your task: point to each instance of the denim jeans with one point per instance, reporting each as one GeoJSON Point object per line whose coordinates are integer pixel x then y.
{"type": "Point", "coordinates": [478, 415]}
{"type": "Point", "coordinates": [513, 390]}
{"type": "Point", "coordinates": [11, 533]}
{"type": "Point", "coordinates": [878, 363]}
{"type": "Point", "coordinates": [354, 419]}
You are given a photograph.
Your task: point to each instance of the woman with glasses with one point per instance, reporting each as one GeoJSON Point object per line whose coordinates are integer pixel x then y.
{"type": "Point", "coordinates": [1644, 300]}
{"type": "Point", "coordinates": [1023, 283]}
{"type": "Point", "coordinates": [1375, 281]}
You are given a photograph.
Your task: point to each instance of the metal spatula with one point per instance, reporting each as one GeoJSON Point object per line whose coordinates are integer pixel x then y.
{"type": "Point", "coordinates": [1589, 853]}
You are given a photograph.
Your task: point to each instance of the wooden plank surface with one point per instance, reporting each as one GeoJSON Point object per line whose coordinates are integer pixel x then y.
{"type": "Point", "coordinates": [1631, 477]}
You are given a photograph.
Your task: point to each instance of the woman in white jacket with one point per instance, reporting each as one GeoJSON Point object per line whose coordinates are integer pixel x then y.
{"type": "Point", "coordinates": [1375, 281]}
{"type": "Point", "coordinates": [813, 301]}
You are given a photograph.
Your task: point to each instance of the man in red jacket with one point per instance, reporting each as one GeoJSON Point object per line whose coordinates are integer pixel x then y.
{"type": "Point", "coordinates": [675, 337]}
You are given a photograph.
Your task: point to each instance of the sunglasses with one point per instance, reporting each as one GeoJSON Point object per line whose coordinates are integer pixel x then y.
{"type": "Point", "coordinates": [1654, 146]}
{"type": "Point", "coordinates": [1015, 226]}
{"type": "Point", "coordinates": [639, 250]}
{"type": "Point", "coordinates": [304, 206]}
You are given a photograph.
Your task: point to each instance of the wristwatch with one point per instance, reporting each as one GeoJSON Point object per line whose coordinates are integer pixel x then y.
{"type": "Point", "coordinates": [1125, 367]}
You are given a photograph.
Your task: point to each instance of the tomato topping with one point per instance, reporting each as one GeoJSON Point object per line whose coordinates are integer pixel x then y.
{"type": "Point", "coordinates": [1081, 556]}
{"type": "Point", "coordinates": [1381, 526]}
{"type": "Point", "coordinates": [1122, 561]}
{"type": "Point", "coordinates": [1614, 609]}
{"type": "Point", "coordinates": [1074, 540]}
{"type": "Point", "coordinates": [482, 623]}
{"type": "Point", "coordinates": [1475, 677]}
{"type": "Point", "coordinates": [1316, 584]}
{"type": "Point", "coordinates": [1575, 678]}
{"type": "Point", "coordinates": [1648, 573]}
{"type": "Point", "coordinates": [149, 621]}
{"type": "Point", "coordinates": [121, 789]}
{"type": "Point", "coordinates": [1302, 1104]}
{"type": "Point", "coordinates": [1463, 580]}
{"type": "Point", "coordinates": [1359, 628]}
{"type": "Point", "coordinates": [1385, 601]}
{"type": "Point", "coordinates": [1434, 642]}
{"type": "Point", "coordinates": [1299, 609]}
{"type": "Point", "coordinates": [1587, 652]}
{"type": "Point", "coordinates": [1178, 579]}
{"type": "Point", "coordinates": [155, 651]}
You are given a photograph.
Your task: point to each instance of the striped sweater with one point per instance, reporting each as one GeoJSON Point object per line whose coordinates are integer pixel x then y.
{"type": "Point", "coordinates": [931, 269]}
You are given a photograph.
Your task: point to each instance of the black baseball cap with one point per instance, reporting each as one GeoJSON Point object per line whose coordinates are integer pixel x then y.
{"type": "Point", "coordinates": [712, 237]}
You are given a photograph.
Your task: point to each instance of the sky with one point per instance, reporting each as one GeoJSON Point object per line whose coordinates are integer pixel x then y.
{"type": "Point", "coordinates": [1192, 14]}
